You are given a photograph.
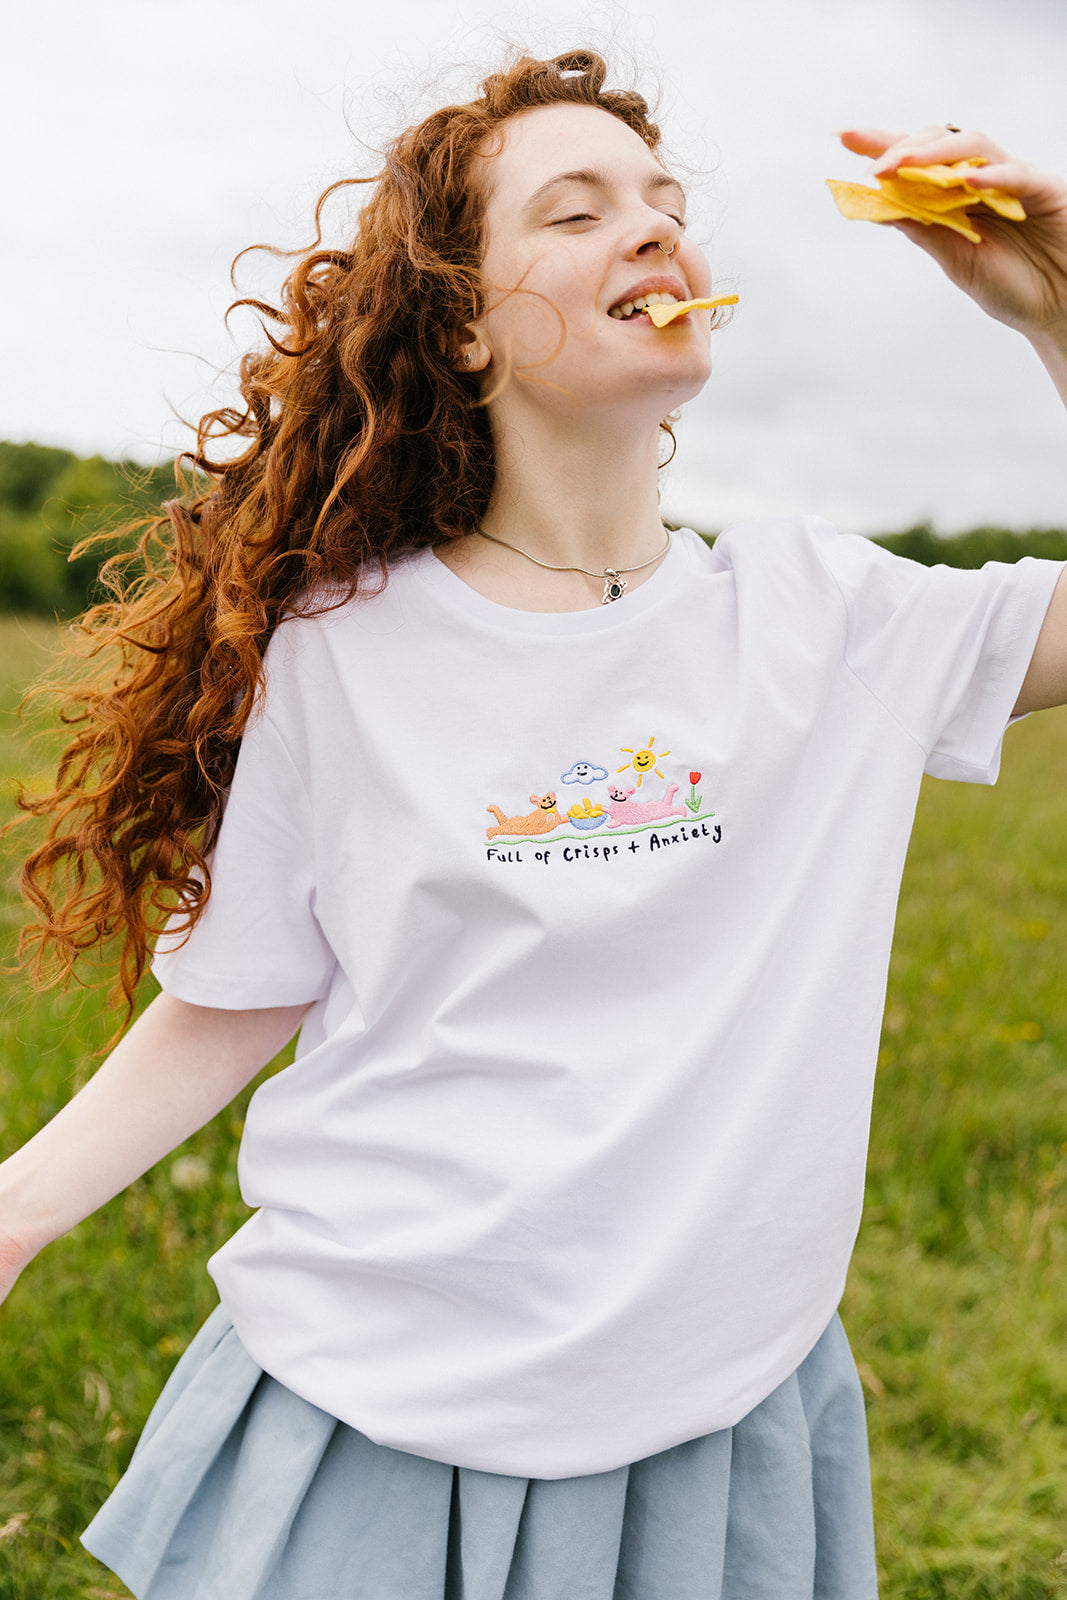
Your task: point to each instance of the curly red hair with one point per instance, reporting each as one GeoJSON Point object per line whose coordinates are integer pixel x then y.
{"type": "Point", "coordinates": [363, 439]}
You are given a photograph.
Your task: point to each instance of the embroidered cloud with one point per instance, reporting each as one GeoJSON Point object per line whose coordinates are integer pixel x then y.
{"type": "Point", "coordinates": [584, 772]}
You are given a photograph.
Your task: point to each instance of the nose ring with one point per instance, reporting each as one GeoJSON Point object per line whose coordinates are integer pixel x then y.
{"type": "Point", "coordinates": [672, 249]}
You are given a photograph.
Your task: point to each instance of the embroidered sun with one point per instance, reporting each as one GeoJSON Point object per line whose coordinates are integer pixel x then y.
{"type": "Point", "coordinates": [644, 761]}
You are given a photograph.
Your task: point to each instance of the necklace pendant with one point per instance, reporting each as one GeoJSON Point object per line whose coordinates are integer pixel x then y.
{"type": "Point", "coordinates": [615, 586]}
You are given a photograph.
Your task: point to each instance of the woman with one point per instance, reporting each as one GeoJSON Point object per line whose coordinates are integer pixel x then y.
{"type": "Point", "coordinates": [572, 848]}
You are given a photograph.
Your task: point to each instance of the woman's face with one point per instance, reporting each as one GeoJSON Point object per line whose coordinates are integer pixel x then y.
{"type": "Point", "coordinates": [577, 207]}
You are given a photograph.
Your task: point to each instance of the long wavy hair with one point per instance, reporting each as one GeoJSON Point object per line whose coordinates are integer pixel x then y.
{"type": "Point", "coordinates": [357, 436]}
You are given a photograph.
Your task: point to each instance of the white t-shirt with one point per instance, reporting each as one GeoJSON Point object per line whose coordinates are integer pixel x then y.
{"type": "Point", "coordinates": [595, 911]}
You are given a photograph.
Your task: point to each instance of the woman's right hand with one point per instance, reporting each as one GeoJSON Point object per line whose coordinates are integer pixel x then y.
{"type": "Point", "coordinates": [1019, 272]}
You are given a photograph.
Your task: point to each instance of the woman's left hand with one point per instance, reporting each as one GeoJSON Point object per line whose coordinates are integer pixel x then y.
{"type": "Point", "coordinates": [1018, 274]}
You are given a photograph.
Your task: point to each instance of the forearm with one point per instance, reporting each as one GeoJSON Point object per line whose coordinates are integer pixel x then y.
{"type": "Point", "coordinates": [178, 1065]}
{"type": "Point", "coordinates": [1052, 350]}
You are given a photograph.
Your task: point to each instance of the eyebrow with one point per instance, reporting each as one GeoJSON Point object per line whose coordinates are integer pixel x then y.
{"type": "Point", "coordinates": [596, 178]}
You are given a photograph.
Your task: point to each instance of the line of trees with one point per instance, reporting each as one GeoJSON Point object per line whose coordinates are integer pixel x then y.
{"type": "Point", "coordinates": [51, 499]}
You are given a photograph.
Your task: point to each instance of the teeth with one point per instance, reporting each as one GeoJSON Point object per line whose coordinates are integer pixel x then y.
{"type": "Point", "coordinates": [628, 307]}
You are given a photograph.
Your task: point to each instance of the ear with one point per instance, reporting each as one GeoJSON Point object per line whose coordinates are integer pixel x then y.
{"type": "Point", "coordinates": [463, 349]}
{"type": "Point", "coordinates": [471, 353]}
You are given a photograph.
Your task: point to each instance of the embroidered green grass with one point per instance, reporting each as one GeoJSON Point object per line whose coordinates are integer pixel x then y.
{"type": "Point", "coordinates": [600, 835]}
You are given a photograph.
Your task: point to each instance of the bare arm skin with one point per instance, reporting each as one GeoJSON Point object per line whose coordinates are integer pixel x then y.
{"type": "Point", "coordinates": [1045, 683]}
{"type": "Point", "coordinates": [1052, 348]}
{"type": "Point", "coordinates": [177, 1066]}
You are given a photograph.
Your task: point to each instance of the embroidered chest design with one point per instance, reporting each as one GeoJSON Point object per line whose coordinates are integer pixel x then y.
{"type": "Point", "coordinates": [609, 807]}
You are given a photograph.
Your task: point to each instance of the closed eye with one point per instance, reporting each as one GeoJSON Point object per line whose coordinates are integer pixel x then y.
{"type": "Point", "coordinates": [588, 216]}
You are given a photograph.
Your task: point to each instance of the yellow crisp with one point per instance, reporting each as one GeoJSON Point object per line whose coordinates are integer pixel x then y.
{"type": "Point", "coordinates": [940, 174]}
{"type": "Point", "coordinates": [586, 809]}
{"type": "Point", "coordinates": [935, 194]}
{"type": "Point", "coordinates": [926, 196]}
{"type": "Point", "coordinates": [1004, 204]}
{"type": "Point", "coordinates": [938, 186]}
{"type": "Point", "coordinates": [860, 204]}
{"type": "Point", "coordinates": [662, 314]}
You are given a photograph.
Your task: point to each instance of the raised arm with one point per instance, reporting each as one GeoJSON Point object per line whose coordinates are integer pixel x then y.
{"type": "Point", "coordinates": [1018, 274]}
{"type": "Point", "coordinates": [177, 1066]}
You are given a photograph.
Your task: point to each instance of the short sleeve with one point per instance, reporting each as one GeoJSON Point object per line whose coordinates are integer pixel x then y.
{"type": "Point", "coordinates": [258, 942]}
{"type": "Point", "coordinates": [944, 649]}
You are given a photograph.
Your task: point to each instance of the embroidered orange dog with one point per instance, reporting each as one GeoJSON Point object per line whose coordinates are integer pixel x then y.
{"type": "Point", "coordinates": [543, 820]}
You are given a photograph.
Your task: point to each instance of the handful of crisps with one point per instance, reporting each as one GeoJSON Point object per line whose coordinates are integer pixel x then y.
{"type": "Point", "coordinates": [586, 809]}
{"type": "Point", "coordinates": [938, 194]}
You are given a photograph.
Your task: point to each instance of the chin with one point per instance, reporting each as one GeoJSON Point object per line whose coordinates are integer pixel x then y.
{"type": "Point", "coordinates": [680, 383]}
{"type": "Point", "coordinates": [696, 383]}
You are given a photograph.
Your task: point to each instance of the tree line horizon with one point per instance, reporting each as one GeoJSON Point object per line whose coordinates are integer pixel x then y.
{"type": "Point", "coordinates": [51, 499]}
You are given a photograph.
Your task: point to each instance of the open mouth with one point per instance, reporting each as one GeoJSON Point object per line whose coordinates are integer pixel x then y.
{"type": "Point", "coordinates": [633, 308]}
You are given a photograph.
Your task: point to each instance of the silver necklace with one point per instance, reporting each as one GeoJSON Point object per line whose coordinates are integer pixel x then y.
{"type": "Point", "coordinates": [615, 585]}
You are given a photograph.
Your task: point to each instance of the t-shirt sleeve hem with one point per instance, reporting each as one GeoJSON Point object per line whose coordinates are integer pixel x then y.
{"type": "Point", "coordinates": [235, 994]}
{"type": "Point", "coordinates": [979, 761]}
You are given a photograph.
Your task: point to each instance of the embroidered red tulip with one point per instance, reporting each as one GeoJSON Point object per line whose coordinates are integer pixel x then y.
{"type": "Point", "coordinates": [694, 799]}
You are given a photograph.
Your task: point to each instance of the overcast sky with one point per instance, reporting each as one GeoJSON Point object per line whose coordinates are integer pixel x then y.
{"type": "Point", "coordinates": [153, 139]}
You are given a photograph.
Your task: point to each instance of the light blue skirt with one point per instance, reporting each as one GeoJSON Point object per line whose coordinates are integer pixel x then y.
{"type": "Point", "coordinates": [239, 1490]}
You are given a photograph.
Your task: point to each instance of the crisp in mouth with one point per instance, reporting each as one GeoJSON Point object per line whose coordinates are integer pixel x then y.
{"type": "Point", "coordinates": [631, 308]}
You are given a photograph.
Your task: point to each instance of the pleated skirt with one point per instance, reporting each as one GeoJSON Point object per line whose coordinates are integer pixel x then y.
{"type": "Point", "coordinates": [240, 1490]}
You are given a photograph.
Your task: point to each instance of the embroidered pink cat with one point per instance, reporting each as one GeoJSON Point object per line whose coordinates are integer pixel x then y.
{"type": "Point", "coordinates": [624, 812]}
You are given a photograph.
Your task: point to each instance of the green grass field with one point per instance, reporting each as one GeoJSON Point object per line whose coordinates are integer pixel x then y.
{"type": "Point", "coordinates": [957, 1301]}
